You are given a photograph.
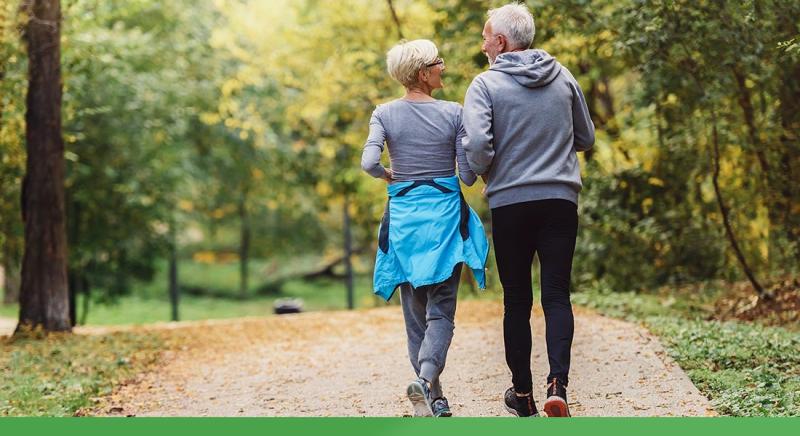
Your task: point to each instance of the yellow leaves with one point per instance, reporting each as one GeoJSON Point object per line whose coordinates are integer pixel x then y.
{"type": "Point", "coordinates": [298, 145]}
{"type": "Point", "coordinates": [211, 257]}
{"type": "Point", "coordinates": [707, 192]}
{"type": "Point", "coordinates": [730, 167]}
{"type": "Point", "coordinates": [354, 137]}
{"type": "Point", "coordinates": [257, 174]}
{"type": "Point", "coordinates": [231, 123]}
{"type": "Point", "coordinates": [185, 205]}
{"type": "Point", "coordinates": [655, 181]}
{"type": "Point", "coordinates": [210, 118]}
{"type": "Point", "coordinates": [230, 86]}
{"type": "Point", "coordinates": [222, 212]}
{"type": "Point", "coordinates": [324, 189]}
{"type": "Point", "coordinates": [763, 249]}
{"type": "Point", "coordinates": [327, 149]}
{"type": "Point", "coordinates": [647, 203]}
{"type": "Point", "coordinates": [159, 137]}
{"type": "Point", "coordinates": [217, 213]}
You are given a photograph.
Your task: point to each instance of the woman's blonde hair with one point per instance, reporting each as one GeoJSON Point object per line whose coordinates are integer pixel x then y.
{"type": "Point", "coordinates": [405, 59]}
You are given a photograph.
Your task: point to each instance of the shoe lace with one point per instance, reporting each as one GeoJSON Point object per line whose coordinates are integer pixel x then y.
{"type": "Point", "coordinates": [552, 387]}
{"type": "Point", "coordinates": [528, 400]}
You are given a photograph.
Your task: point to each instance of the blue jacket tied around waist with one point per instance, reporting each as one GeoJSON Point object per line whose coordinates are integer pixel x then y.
{"type": "Point", "coordinates": [426, 230]}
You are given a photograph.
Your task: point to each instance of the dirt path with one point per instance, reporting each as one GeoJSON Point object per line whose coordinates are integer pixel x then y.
{"type": "Point", "coordinates": [7, 326]}
{"type": "Point", "coordinates": [355, 364]}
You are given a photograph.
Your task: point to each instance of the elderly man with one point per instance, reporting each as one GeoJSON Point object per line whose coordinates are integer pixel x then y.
{"type": "Point", "coordinates": [525, 119]}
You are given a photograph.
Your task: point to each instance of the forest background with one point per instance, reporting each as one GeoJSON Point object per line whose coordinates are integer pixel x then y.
{"type": "Point", "coordinates": [212, 151]}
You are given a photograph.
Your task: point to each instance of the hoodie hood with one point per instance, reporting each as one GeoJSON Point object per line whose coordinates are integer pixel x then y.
{"type": "Point", "coordinates": [532, 68]}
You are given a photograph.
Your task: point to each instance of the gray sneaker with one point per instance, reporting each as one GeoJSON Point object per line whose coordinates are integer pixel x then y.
{"type": "Point", "coordinates": [420, 396]}
{"type": "Point", "coordinates": [441, 409]}
{"type": "Point", "coordinates": [520, 406]}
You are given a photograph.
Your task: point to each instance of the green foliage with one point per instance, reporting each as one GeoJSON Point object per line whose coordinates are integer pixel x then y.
{"type": "Point", "coordinates": [13, 66]}
{"type": "Point", "coordinates": [59, 374]}
{"type": "Point", "coordinates": [716, 66]}
{"type": "Point", "coordinates": [748, 370]}
{"type": "Point", "coordinates": [744, 368]}
{"type": "Point", "coordinates": [127, 118]}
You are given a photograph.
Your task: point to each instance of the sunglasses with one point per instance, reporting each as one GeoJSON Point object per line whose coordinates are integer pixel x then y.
{"type": "Point", "coordinates": [439, 61]}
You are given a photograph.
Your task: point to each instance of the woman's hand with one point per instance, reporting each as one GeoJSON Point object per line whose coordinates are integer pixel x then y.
{"type": "Point", "coordinates": [388, 175]}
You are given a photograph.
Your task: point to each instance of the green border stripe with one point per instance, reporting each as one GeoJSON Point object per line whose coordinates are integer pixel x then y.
{"type": "Point", "coordinates": [399, 426]}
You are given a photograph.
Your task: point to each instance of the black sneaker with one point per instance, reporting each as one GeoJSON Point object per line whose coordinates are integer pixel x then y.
{"type": "Point", "coordinates": [520, 406]}
{"type": "Point", "coordinates": [441, 409]}
{"type": "Point", "coordinates": [420, 396]}
{"type": "Point", "coordinates": [556, 403]}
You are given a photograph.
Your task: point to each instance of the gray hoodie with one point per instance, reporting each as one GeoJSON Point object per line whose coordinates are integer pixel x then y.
{"type": "Point", "coordinates": [525, 119]}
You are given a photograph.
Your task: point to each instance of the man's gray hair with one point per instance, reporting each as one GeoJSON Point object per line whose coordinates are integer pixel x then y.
{"type": "Point", "coordinates": [515, 22]}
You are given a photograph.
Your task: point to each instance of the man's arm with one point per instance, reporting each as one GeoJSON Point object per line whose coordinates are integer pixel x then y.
{"type": "Point", "coordinates": [478, 126]}
{"type": "Point", "coordinates": [582, 124]}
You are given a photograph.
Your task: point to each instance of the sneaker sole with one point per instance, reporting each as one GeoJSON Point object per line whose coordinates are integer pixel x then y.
{"type": "Point", "coordinates": [444, 415]}
{"type": "Point", "coordinates": [556, 407]}
{"type": "Point", "coordinates": [515, 413]}
{"type": "Point", "coordinates": [417, 397]}
{"type": "Point", "coordinates": [510, 410]}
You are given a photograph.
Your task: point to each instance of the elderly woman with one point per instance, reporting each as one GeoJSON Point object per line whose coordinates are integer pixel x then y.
{"type": "Point", "coordinates": [428, 231]}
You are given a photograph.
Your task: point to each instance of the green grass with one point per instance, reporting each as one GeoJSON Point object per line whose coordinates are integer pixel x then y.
{"type": "Point", "coordinates": [9, 310]}
{"type": "Point", "coordinates": [744, 368]}
{"type": "Point", "coordinates": [316, 295]}
{"type": "Point", "coordinates": [148, 301]}
{"type": "Point", "coordinates": [57, 374]}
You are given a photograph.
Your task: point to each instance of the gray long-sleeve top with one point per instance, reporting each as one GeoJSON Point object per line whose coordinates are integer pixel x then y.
{"type": "Point", "coordinates": [424, 141]}
{"type": "Point", "coordinates": [525, 120]}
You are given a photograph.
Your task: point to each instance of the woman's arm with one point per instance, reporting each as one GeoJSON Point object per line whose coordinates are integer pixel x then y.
{"type": "Point", "coordinates": [465, 173]}
{"type": "Point", "coordinates": [371, 155]}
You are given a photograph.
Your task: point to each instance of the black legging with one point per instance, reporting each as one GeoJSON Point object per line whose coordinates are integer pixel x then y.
{"type": "Point", "coordinates": [547, 227]}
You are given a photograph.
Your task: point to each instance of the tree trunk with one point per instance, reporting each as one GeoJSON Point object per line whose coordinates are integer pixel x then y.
{"type": "Point", "coordinates": [725, 219]}
{"type": "Point", "coordinates": [173, 274]}
{"type": "Point", "coordinates": [244, 245]}
{"type": "Point", "coordinates": [44, 293]}
{"type": "Point", "coordinates": [348, 253]}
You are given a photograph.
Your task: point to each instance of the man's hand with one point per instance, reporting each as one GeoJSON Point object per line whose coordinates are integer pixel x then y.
{"type": "Point", "coordinates": [388, 175]}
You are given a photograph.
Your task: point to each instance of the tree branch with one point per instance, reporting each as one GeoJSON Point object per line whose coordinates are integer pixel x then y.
{"type": "Point", "coordinates": [395, 18]}
{"type": "Point", "coordinates": [724, 211]}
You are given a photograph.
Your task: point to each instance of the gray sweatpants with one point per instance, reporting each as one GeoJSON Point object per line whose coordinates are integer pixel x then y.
{"type": "Point", "coordinates": [429, 313]}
